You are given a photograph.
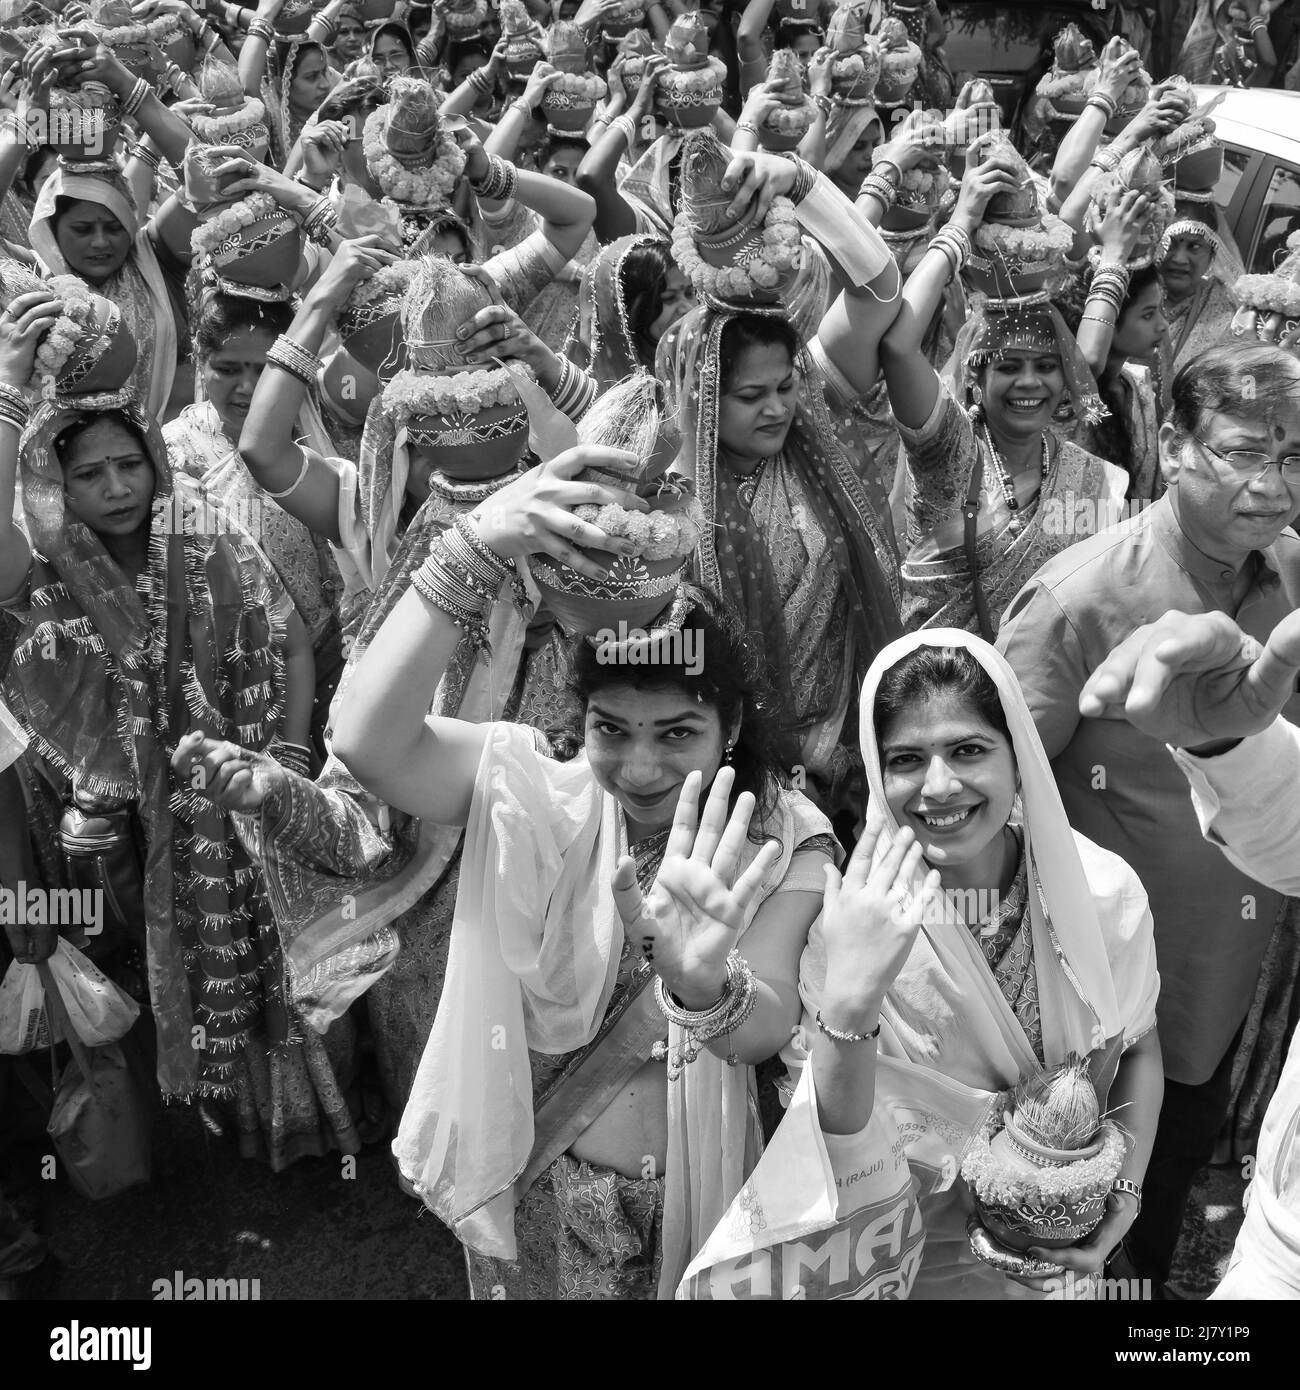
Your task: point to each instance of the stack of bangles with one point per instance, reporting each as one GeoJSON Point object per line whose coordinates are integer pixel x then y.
{"type": "Point", "coordinates": [135, 98]}
{"type": "Point", "coordinates": [1107, 160]}
{"type": "Point", "coordinates": [142, 151]}
{"type": "Point", "coordinates": [481, 80]}
{"type": "Point", "coordinates": [462, 578]}
{"type": "Point", "coordinates": [293, 358]}
{"type": "Point", "coordinates": [14, 408]}
{"type": "Point", "coordinates": [823, 104]}
{"type": "Point", "coordinates": [237, 17]}
{"type": "Point", "coordinates": [880, 186]}
{"type": "Point", "coordinates": [1257, 24]}
{"type": "Point", "coordinates": [804, 179]}
{"type": "Point", "coordinates": [955, 244]}
{"type": "Point", "coordinates": [501, 181]}
{"type": "Point", "coordinates": [11, 120]}
{"type": "Point", "coordinates": [575, 391]}
{"type": "Point", "coordinates": [1110, 287]}
{"type": "Point", "coordinates": [319, 222]}
{"type": "Point", "coordinates": [296, 757]}
{"type": "Point", "coordinates": [261, 29]}
{"type": "Point", "coordinates": [701, 1026]}
{"type": "Point", "coordinates": [1105, 103]}
{"type": "Point", "coordinates": [328, 30]}
{"type": "Point", "coordinates": [745, 124]}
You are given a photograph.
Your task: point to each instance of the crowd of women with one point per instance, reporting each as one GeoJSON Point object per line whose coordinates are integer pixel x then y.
{"type": "Point", "coordinates": [513, 512]}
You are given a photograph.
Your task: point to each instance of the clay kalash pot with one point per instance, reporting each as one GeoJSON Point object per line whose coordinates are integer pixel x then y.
{"type": "Point", "coordinates": [470, 419]}
{"type": "Point", "coordinates": [570, 102]}
{"type": "Point", "coordinates": [634, 49]}
{"type": "Point", "coordinates": [1268, 306]}
{"type": "Point", "coordinates": [229, 118]}
{"type": "Point", "coordinates": [855, 66]}
{"type": "Point", "coordinates": [622, 20]}
{"type": "Point", "coordinates": [900, 62]}
{"type": "Point", "coordinates": [84, 123]}
{"type": "Point", "coordinates": [1139, 170]}
{"type": "Point", "coordinates": [464, 19]}
{"type": "Point", "coordinates": [523, 40]}
{"type": "Point", "coordinates": [975, 113]}
{"type": "Point", "coordinates": [1018, 248]}
{"type": "Point", "coordinates": [690, 90]}
{"type": "Point", "coordinates": [89, 348]}
{"type": "Point", "coordinates": [757, 259]}
{"type": "Point", "coordinates": [923, 187]}
{"type": "Point", "coordinates": [786, 124]}
{"type": "Point", "coordinates": [1068, 83]}
{"type": "Point", "coordinates": [295, 18]}
{"type": "Point", "coordinates": [637, 588]}
{"type": "Point", "coordinates": [1043, 1177]}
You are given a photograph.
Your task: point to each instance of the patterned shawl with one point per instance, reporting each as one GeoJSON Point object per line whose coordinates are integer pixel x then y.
{"type": "Point", "coordinates": [737, 564]}
{"type": "Point", "coordinates": [649, 187]}
{"type": "Point", "coordinates": [106, 678]}
{"type": "Point", "coordinates": [610, 354]}
{"type": "Point", "coordinates": [138, 289]}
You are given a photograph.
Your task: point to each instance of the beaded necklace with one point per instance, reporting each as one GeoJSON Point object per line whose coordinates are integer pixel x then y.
{"type": "Point", "coordinates": [747, 483]}
{"type": "Point", "coordinates": [1006, 485]}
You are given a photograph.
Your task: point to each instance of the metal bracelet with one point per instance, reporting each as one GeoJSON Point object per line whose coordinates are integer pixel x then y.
{"type": "Point", "coordinates": [842, 1036]}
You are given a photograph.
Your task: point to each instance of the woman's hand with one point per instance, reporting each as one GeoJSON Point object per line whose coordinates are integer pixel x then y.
{"type": "Point", "coordinates": [497, 332]}
{"type": "Point", "coordinates": [616, 101]}
{"type": "Point", "coordinates": [496, 63]}
{"type": "Point", "coordinates": [11, 87]}
{"type": "Point", "coordinates": [819, 73]}
{"type": "Point", "coordinates": [1120, 65]}
{"type": "Point", "coordinates": [870, 919]}
{"type": "Point", "coordinates": [981, 183]}
{"type": "Point", "coordinates": [1088, 1256]}
{"type": "Point", "coordinates": [655, 65]}
{"type": "Point", "coordinates": [921, 136]}
{"type": "Point", "coordinates": [534, 514]}
{"type": "Point", "coordinates": [755, 179]}
{"type": "Point", "coordinates": [696, 908]}
{"type": "Point", "coordinates": [542, 77]}
{"type": "Point", "coordinates": [1120, 230]}
{"type": "Point", "coordinates": [242, 175]}
{"type": "Point", "coordinates": [80, 57]}
{"type": "Point", "coordinates": [323, 143]}
{"type": "Point", "coordinates": [477, 167]}
{"type": "Point", "coordinates": [21, 327]}
{"type": "Point", "coordinates": [1163, 112]}
{"type": "Point", "coordinates": [760, 101]}
{"type": "Point", "coordinates": [236, 779]}
{"type": "Point", "coordinates": [352, 263]}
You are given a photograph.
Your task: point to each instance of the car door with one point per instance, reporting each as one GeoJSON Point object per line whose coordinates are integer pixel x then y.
{"type": "Point", "coordinates": [1238, 192]}
{"type": "Point", "coordinates": [1269, 215]}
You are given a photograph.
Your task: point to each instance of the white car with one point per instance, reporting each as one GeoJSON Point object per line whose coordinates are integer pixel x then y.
{"type": "Point", "coordinates": [1259, 190]}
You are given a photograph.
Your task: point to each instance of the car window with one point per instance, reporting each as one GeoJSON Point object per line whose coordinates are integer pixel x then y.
{"type": "Point", "coordinates": [1235, 164]}
{"type": "Point", "coordinates": [1279, 217]}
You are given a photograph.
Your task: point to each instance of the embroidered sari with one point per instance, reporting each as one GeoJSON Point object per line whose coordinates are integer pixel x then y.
{"type": "Point", "coordinates": [139, 289]}
{"type": "Point", "coordinates": [107, 677]}
{"type": "Point", "coordinates": [534, 977]}
{"type": "Point", "coordinates": [957, 1032]}
{"type": "Point", "coordinates": [810, 563]}
{"type": "Point", "coordinates": [940, 457]}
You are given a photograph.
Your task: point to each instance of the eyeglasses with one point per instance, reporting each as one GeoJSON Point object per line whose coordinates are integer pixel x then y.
{"type": "Point", "coordinates": [1248, 461]}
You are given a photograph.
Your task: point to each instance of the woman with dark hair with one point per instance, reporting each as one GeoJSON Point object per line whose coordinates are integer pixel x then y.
{"type": "Point", "coordinates": [1198, 265]}
{"type": "Point", "coordinates": [566, 1125]}
{"type": "Point", "coordinates": [1039, 944]}
{"type": "Point", "coordinates": [232, 337]}
{"type": "Point", "coordinates": [291, 77]}
{"type": "Point", "coordinates": [391, 49]}
{"type": "Point", "coordinates": [982, 449]}
{"type": "Point", "coordinates": [144, 616]}
{"type": "Point", "coordinates": [631, 295]}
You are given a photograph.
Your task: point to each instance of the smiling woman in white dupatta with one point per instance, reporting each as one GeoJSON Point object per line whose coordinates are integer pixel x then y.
{"type": "Point", "coordinates": [1065, 961]}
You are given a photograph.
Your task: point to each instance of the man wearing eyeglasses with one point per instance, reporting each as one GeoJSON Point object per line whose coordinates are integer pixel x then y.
{"type": "Point", "coordinates": [1217, 541]}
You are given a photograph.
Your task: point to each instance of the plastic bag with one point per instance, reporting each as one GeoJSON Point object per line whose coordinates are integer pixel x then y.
{"type": "Point", "coordinates": [98, 1010]}
{"type": "Point", "coordinates": [101, 1119]}
{"type": "Point", "coordinates": [23, 1025]}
